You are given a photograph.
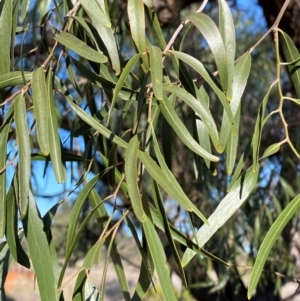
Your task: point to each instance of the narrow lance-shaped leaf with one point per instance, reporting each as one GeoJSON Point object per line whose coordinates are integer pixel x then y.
{"type": "Point", "coordinates": [182, 132]}
{"type": "Point", "coordinates": [81, 48]}
{"type": "Point", "coordinates": [122, 79]}
{"type": "Point", "coordinates": [227, 207]}
{"type": "Point", "coordinates": [291, 54]}
{"type": "Point", "coordinates": [25, 4]}
{"type": "Point", "coordinates": [94, 9]}
{"type": "Point", "coordinates": [54, 140]}
{"type": "Point", "coordinates": [14, 78]}
{"type": "Point", "coordinates": [136, 16]}
{"type": "Point", "coordinates": [198, 66]}
{"type": "Point", "coordinates": [39, 91]}
{"type": "Point", "coordinates": [132, 177]}
{"type": "Point", "coordinates": [227, 31]}
{"type": "Point", "coordinates": [5, 29]}
{"type": "Point", "coordinates": [271, 150]}
{"type": "Point", "coordinates": [268, 242]}
{"type": "Point", "coordinates": [39, 252]}
{"type": "Point", "coordinates": [4, 130]}
{"type": "Point", "coordinates": [24, 168]}
{"type": "Point", "coordinates": [202, 110]}
{"type": "Point", "coordinates": [213, 37]}
{"type": "Point", "coordinates": [156, 69]}
{"type": "Point", "coordinates": [240, 78]}
{"type": "Point", "coordinates": [167, 181]}
{"type": "Point", "coordinates": [11, 232]}
{"type": "Point", "coordinates": [159, 259]}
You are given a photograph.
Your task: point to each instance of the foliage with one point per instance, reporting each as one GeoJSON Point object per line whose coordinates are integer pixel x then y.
{"type": "Point", "coordinates": [110, 97]}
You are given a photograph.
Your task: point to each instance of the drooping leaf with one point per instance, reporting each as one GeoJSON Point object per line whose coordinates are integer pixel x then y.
{"type": "Point", "coordinates": [291, 54]}
{"type": "Point", "coordinates": [198, 66]}
{"type": "Point", "coordinates": [136, 16]}
{"type": "Point", "coordinates": [41, 108]}
{"type": "Point", "coordinates": [182, 132]}
{"type": "Point", "coordinates": [39, 251]}
{"type": "Point", "coordinates": [159, 259]}
{"type": "Point", "coordinates": [53, 134]}
{"type": "Point", "coordinates": [80, 47]}
{"type": "Point", "coordinates": [213, 37]}
{"type": "Point", "coordinates": [11, 232]}
{"type": "Point", "coordinates": [167, 181]}
{"type": "Point", "coordinates": [202, 110]}
{"type": "Point", "coordinates": [14, 78]}
{"type": "Point", "coordinates": [5, 29]}
{"type": "Point", "coordinates": [24, 169]}
{"type": "Point", "coordinates": [4, 130]}
{"type": "Point", "coordinates": [269, 241]}
{"type": "Point", "coordinates": [227, 207]}
{"type": "Point", "coordinates": [227, 31]}
{"type": "Point", "coordinates": [156, 69]}
{"type": "Point", "coordinates": [131, 176]}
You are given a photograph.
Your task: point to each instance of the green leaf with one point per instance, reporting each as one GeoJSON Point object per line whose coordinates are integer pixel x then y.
{"type": "Point", "coordinates": [93, 256]}
{"type": "Point", "coordinates": [259, 126]}
{"type": "Point", "coordinates": [122, 79]}
{"type": "Point", "coordinates": [11, 232]}
{"type": "Point", "coordinates": [53, 134]}
{"type": "Point", "coordinates": [167, 181]}
{"type": "Point", "coordinates": [240, 78]}
{"type": "Point", "coordinates": [102, 217]}
{"type": "Point", "coordinates": [269, 240]}
{"type": "Point", "coordinates": [160, 207]}
{"type": "Point", "coordinates": [24, 170]}
{"type": "Point", "coordinates": [198, 66]}
{"type": "Point", "coordinates": [291, 54]}
{"type": "Point", "coordinates": [136, 16]}
{"type": "Point", "coordinates": [96, 10]}
{"type": "Point", "coordinates": [39, 92]}
{"type": "Point", "coordinates": [5, 36]}
{"type": "Point", "coordinates": [132, 177]}
{"type": "Point", "coordinates": [25, 5]}
{"type": "Point", "coordinates": [39, 252]}
{"type": "Point", "coordinates": [80, 47]}
{"type": "Point", "coordinates": [227, 207]}
{"type": "Point", "coordinates": [156, 68]}
{"type": "Point", "coordinates": [4, 130]}
{"type": "Point", "coordinates": [182, 132]}
{"type": "Point", "coordinates": [5, 261]}
{"type": "Point", "coordinates": [14, 78]}
{"type": "Point", "coordinates": [227, 31]}
{"type": "Point", "coordinates": [271, 150]}
{"type": "Point", "coordinates": [158, 256]}
{"type": "Point", "coordinates": [213, 37]}
{"type": "Point", "coordinates": [202, 110]}
{"type": "Point", "coordinates": [77, 209]}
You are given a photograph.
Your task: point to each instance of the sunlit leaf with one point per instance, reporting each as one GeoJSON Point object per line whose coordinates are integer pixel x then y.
{"type": "Point", "coordinates": [182, 132]}
{"type": "Point", "coordinates": [227, 31]}
{"type": "Point", "coordinates": [14, 78]}
{"type": "Point", "coordinates": [136, 16]}
{"type": "Point", "coordinates": [41, 109]}
{"type": "Point", "coordinates": [269, 241]}
{"type": "Point", "coordinates": [159, 259]}
{"type": "Point", "coordinates": [227, 207]}
{"type": "Point", "coordinates": [80, 47]}
{"type": "Point", "coordinates": [24, 169]}
{"type": "Point", "coordinates": [213, 37]}
{"type": "Point", "coordinates": [271, 150]}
